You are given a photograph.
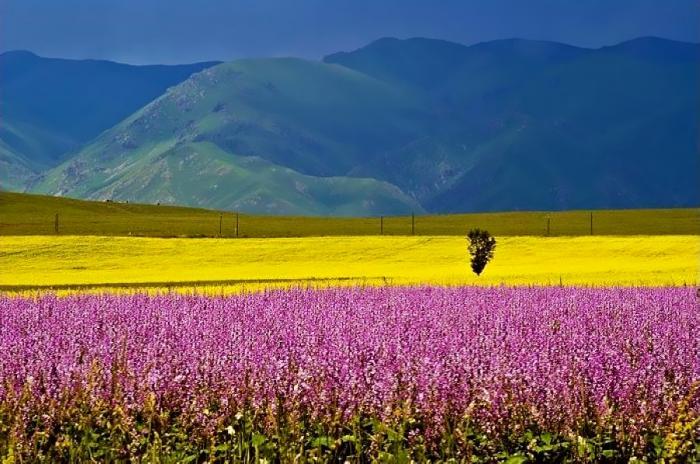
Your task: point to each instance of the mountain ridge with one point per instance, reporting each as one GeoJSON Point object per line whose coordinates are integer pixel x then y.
{"type": "Point", "coordinates": [440, 126]}
{"type": "Point", "coordinates": [52, 106]}
{"type": "Point", "coordinates": [521, 104]}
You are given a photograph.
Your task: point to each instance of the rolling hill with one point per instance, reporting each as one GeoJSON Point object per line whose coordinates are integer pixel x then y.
{"type": "Point", "coordinates": [536, 124]}
{"type": "Point", "coordinates": [51, 107]}
{"type": "Point", "coordinates": [30, 214]}
{"type": "Point", "coordinates": [270, 136]}
{"type": "Point", "coordinates": [416, 124]}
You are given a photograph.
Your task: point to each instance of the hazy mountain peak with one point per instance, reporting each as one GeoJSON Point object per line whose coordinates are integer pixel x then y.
{"type": "Point", "coordinates": [657, 48]}
{"type": "Point", "coordinates": [398, 125]}
{"type": "Point", "coordinates": [530, 49]}
{"type": "Point", "coordinates": [18, 54]}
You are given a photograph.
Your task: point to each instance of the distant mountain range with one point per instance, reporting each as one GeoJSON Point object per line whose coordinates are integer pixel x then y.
{"type": "Point", "coordinates": [397, 126]}
{"type": "Point", "coordinates": [49, 108]}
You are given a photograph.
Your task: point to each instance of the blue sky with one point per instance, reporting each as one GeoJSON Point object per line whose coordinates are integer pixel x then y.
{"type": "Point", "coordinates": [175, 31]}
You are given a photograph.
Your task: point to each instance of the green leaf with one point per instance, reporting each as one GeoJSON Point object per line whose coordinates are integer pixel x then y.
{"type": "Point", "coordinates": [544, 448]}
{"type": "Point", "coordinates": [401, 457]}
{"type": "Point", "coordinates": [393, 435]}
{"type": "Point", "coordinates": [319, 442]}
{"type": "Point", "coordinates": [258, 439]}
{"type": "Point", "coordinates": [516, 460]}
{"type": "Point", "coordinates": [546, 438]}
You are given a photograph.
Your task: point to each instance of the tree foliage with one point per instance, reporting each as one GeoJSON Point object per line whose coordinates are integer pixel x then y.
{"type": "Point", "coordinates": [481, 248]}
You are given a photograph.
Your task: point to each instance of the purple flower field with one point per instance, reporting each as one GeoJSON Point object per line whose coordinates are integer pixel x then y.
{"type": "Point", "coordinates": [432, 363]}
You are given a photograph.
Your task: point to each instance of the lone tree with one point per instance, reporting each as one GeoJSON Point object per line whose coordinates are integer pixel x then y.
{"type": "Point", "coordinates": [481, 248]}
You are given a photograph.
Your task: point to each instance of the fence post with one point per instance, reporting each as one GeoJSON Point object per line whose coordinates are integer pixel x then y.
{"type": "Point", "coordinates": [413, 223]}
{"type": "Point", "coordinates": [381, 225]}
{"type": "Point", "coordinates": [547, 227]}
{"type": "Point", "coordinates": [236, 224]}
{"type": "Point", "coordinates": [221, 220]}
{"type": "Point", "coordinates": [591, 222]}
{"type": "Point", "coordinates": [55, 223]}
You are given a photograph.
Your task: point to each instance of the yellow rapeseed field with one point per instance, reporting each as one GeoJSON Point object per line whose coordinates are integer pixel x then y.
{"type": "Point", "coordinates": [70, 261]}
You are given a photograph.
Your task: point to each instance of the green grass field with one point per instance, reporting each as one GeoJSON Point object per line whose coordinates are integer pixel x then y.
{"type": "Point", "coordinates": [24, 214]}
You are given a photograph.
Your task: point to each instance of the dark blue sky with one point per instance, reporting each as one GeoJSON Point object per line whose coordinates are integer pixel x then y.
{"type": "Point", "coordinates": [173, 31]}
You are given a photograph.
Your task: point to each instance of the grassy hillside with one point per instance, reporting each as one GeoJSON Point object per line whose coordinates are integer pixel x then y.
{"type": "Point", "coordinates": [52, 106]}
{"type": "Point", "coordinates": [15, 168]}
{"type": "Point", "coordinates": [23, 214]}
{"type": "Point", "coordinates": [502, 125]}
{"type": "Point", "coordinates": [195, 144]}
{"type": "Point", "coordinates": [231, 182]}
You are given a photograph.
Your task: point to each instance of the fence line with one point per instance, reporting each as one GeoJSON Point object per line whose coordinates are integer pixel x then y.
{"type": "Point", "coordinates": [533, 224]}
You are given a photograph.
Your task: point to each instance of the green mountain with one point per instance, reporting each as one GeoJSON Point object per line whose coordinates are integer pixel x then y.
{"type": "Point", "coordinates": [202, 174]}
{"type": "Point", "coordinates": [402, 125]}
{"type": "Point", "coordinates": [51, 107]}
{"type": "Point", "coordinates": [526, 124]}
{"type": "Point", "coordinates": [252, 135]}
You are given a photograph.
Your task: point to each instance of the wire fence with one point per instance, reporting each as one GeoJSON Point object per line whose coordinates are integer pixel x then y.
{"type": "Point", "coordinates": [236, 225]}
